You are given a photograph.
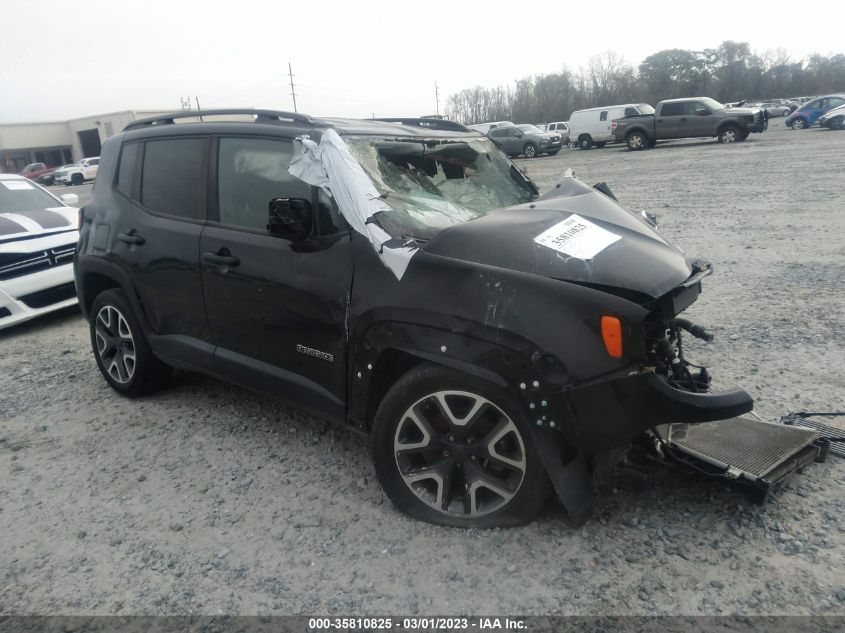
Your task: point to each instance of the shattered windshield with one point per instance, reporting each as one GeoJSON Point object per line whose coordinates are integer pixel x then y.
{"type": "Point", "coordinates": [431, 184]}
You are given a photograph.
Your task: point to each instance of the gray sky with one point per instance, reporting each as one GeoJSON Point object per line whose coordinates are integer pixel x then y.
{"type": "Point", "coordinates": [350, 58]}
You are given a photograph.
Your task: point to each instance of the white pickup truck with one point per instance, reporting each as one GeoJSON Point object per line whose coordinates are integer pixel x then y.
{"type": "Point", "coordinates": [78, 173]}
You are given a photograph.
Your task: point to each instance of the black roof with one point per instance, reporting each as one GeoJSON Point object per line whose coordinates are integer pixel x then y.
{"type": "Point", "coordinates": [421, 127]}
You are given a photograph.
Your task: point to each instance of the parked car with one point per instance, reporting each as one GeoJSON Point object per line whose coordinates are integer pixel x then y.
{"type": "Point", "coordinates": [34, 170]}
{"type": "Point", "coordinates": [38, 235]}
{"type": "Point", "coordinates": [476, 347]}
{"type": "Point", "coordinates": [773, 109]}
{"type": "Point", "coordinates": [47, 178]}
{"type": "Point", "coordinates": [78, 173]}
{"type": "Point", "coordinates": [484, 128]}
{"type": "Point", "coordinates": [807, 114]}
{"type": "Point", "coordinates": [562, 128]}
{"type": "Point", "coordinates": [833, 119]}
{"type": "Point", "coordinates": [591, 127]}
{"type": "Point", "coordinates": [526, 140]}
{"type": "Point", "coordinates": [689, 118]}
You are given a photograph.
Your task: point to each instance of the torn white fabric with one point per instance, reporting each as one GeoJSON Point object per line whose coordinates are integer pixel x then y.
{"type": "Point", "coordinates": [332, 167]}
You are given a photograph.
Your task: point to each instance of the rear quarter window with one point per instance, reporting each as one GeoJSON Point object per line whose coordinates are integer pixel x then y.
{"type": "Point", "coordinates": [128, 167]}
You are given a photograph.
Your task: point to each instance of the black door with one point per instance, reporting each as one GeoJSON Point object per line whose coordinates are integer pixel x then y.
{"type": "Point", "coordinates": [163, 185]}
{"type": "Point", "coordinates": [276, 309]}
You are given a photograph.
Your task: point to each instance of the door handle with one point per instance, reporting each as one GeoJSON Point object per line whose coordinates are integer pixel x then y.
{"type": "Point", "coordinates": [131, 238]}
{"type": "Point", "coordinates": [221, 258]}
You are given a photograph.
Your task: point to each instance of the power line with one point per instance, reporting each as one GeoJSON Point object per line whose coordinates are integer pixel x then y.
{"type": "Point", "coordinates": [292, 91]}
{"type": "Point", "coordinates": [437, 97]}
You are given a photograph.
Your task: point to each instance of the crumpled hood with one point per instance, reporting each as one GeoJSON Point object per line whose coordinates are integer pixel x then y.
{"type": "Point", "coordinates": [639, 260]}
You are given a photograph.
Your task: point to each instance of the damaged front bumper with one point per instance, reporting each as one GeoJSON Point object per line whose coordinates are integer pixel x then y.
{"type": "Point", "coordinates": [611, 413]}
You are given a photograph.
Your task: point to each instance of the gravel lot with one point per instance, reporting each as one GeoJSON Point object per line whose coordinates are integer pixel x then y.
{"type": "Point", "coordinates": [208, 499]}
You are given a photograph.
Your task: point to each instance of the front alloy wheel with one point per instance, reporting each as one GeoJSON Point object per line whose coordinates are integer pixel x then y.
{"type": "Point", "coordinates": [459, 453]}
{"type": "Point", "coordinates": [799, 124]}
{"type": "Point", "coordinates": [115, 344]}
{"type": "Point", "coordinates": [453, 449]}
{"type": "Point", "coordinates": [529, 151]}
{"type": "Point", "coordinates": [729, 135]}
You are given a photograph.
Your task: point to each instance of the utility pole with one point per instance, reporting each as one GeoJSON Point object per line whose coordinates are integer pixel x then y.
{"type": "Point", "coordinates": [437, 97]}
{"type": "Point", "coordinates": [198, 105]}
{"type": "Point", "coordinates": [292, 91]}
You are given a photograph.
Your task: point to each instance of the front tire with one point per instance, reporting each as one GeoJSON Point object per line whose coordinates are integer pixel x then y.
{"type": "Point", "coordinates": [730, 134]}
{"type": "Point", "coordinates": [122, 351]}
{"type": "Point", "coordinates": [637, 141]}
{"type": "Point", "coordinates": [529, 150]}
{"type": "Point", "coordinates": [452, 449]}
{"type": "Point", "coordinates": [837, 123]}
{"type": "Point", "coordinates": [799, 124]}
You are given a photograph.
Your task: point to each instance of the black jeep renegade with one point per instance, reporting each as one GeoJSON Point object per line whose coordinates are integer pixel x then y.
{"type": "Point", "coordinates": [404, 278]}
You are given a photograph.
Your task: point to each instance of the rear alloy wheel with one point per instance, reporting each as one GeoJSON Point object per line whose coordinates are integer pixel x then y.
{"type": "Point", "coordinates": [450, 449]}
{"type": "Point", "coordinates": [529, 150]}
{"type": "Point", "coordinates": [730, 134]}
{"type": "Point", "coordinates": [585, 142]}
{"type": "Point", "coordinates": [799, 124]}
{"type": "Point", "coordinates": [77, 179]}
{"type": "Point", "coordinates": [121, 349]}
{"type": "Point", "coordinates": [637, 141]}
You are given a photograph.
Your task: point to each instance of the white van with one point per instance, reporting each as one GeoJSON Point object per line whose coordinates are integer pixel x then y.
{"type": "Point", "coordinates": [592, 126]}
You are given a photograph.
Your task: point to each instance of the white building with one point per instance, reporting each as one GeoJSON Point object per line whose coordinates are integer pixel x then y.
{"type": "Point", "coordinates": [61, 142]}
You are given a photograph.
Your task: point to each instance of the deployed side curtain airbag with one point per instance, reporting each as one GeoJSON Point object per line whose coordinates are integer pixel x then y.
{"type": "Point", "coordinates": [332, 167]}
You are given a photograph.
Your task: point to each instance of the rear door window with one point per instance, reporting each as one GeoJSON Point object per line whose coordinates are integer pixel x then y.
{"type": "Point", "coordinates": [672, 109]}
{"type": "Point", "coordinates": [603, 116]}
{"type": "Point", "coordinates": [173, 179]}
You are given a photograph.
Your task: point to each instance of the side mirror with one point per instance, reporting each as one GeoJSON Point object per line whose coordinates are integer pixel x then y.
{"type": "Point", "coordinates": [290, 218]}
{"type": "Point", "coordinates": [70, 199]}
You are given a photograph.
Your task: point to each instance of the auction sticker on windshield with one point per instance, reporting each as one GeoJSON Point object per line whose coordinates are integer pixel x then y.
{"type": "Point", "coordinates": [577, 237]}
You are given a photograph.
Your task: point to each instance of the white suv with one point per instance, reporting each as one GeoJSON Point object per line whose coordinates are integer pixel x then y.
{"type": "Point", "coordinates": [78, 173]}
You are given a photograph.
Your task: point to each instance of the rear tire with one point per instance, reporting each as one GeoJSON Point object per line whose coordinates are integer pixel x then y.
{"type": "Point", "coordinates": [444, 440]}
{"type": "Point", "coordinates": [637, 141]}
{"type": "Point", "coordinates": [585, 141]}
{"type": "Point", "coordinates": [122, 351]}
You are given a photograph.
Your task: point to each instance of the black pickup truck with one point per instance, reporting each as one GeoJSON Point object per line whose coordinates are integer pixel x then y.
{"type": "Point", "coordinates": [689, 118]}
